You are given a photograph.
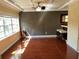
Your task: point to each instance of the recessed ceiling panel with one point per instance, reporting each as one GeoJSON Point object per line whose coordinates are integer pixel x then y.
{"type": "Point", "coordinates": [28, 4]}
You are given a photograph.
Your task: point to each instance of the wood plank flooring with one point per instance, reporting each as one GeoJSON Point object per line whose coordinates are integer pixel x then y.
{"type": "Point", "coordinates": [40, 48]}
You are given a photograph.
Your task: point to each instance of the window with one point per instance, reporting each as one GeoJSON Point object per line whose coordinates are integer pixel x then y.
{"type": "Point", "coordinates": [8, 26]}
{"type": "Point", "coordinates": [64, 19]}
{"type": "Point", "coordinates": [1, 27]}
{"type": "Point", "coordinates": [15, 23]}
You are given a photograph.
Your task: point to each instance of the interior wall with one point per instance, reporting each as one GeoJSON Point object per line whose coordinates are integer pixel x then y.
{"type": "Point", "coordinates": [41, 23]}
{"type": "Point", "coordinates": [0, 57]}
{"type": "Point", "coordinates": [73, 22]}
{"type": "Point", "coordinates": [78, 44]}
{"type": "Point", "coordinates": [5, 10]}
{"type": "Point", "coordinates": [8, 12]}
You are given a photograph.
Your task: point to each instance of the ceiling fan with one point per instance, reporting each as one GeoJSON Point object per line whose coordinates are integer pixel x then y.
{"type": "Point", "coordinates": [39, 6]}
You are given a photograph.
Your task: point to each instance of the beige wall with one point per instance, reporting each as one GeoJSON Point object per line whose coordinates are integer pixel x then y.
{"type": "Point", "coordinates": [0, 57]}
{"type": "Point", "coordinates": [78, 44]}
{"type": "Point", "coordinates": [7, 9]}
{"type": "Point", "coordinates": [73, 24]}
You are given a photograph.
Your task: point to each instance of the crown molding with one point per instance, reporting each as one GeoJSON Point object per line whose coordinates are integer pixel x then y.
{"type": "Point", "coordinates": [13, 4]}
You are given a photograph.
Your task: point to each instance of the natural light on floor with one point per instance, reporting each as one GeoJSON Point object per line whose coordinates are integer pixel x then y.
{"type": "Point", "coordinates": [20, 49]}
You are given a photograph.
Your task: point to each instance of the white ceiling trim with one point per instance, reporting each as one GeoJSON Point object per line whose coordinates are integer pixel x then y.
{"type": "Point", "coordinates": [7, 1]}
{"type": "Point", "coordinates": [45, 10]}
{"type": "Point", "coordinates": [66, 4]}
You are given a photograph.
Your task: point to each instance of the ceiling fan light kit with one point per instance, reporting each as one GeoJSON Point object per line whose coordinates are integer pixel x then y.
{"type": "Point", "coordinates": [43, 7]}
{"type": "Point", "coordinates": [39, 7]}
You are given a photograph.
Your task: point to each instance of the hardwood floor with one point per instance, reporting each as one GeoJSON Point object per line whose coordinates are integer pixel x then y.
{"type": "Point", "coordinates": [40, 48]}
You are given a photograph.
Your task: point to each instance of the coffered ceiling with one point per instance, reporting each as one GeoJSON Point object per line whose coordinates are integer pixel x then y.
{"type": "Point", "coordinates": [27, 5]}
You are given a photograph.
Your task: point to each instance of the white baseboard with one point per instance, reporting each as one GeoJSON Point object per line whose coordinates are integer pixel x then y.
{"type": "Point", "coordinates": [42, 36]}
{"type": "Point", "coordinates": [9, 46]}
{"type": "Point", "coordinates": [78, 52]}
{"type": "Point", "coordinates": [72, 47]}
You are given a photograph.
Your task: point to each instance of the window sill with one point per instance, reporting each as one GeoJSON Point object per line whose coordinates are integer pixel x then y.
{"type": "Point", "coordinates": [8, 36]}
